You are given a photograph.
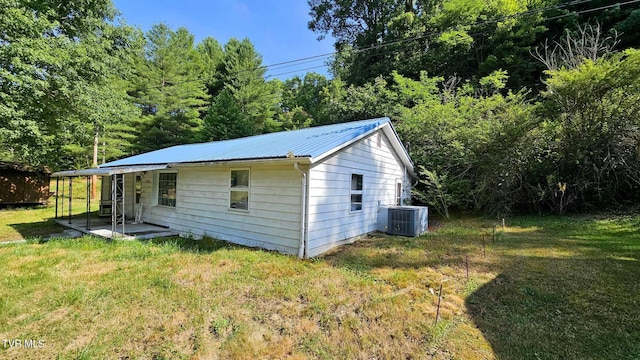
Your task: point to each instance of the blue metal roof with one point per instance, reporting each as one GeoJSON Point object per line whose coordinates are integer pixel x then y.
{"type": "Point", "coordinates": [309, 142]}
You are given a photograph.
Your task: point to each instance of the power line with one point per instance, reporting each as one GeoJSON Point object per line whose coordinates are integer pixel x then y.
{"type": "Point", "coordinates": [430, 34]}
{"type": "Point", "coordinates": [594, 9]}
{"type": "Point", "coordinates": [507, 17]}
{"type": "Point", "coordinates": [295, 62]}
{"type": "Point", "coordinates": [380, 46]}
{"type": "Point", "coordinates": [292, 65]}
{"type": "Point", "coordinates": [294, 71]}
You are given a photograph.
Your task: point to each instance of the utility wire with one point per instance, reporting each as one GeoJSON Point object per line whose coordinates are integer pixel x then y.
{"type": "Point", "coordinates": [380, 46]}
{"type": "Point", "coordinates": [295, 71]}
{"type": "Point", "coordinates": [416, 38]}
{"type": "Point", "coordinates": [430, 34]}
{"type": "Point", "coordinates": [296, 64]}
{"type": "Point", "coordinates": [507, 17]}
{"type": "Point", "coordinates": [594, 9]}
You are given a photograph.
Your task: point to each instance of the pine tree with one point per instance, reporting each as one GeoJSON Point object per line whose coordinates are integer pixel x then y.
{"type": "Point", "coordinates": [254, 100]}
{"type": "Point", "coordinates": [170, 89]}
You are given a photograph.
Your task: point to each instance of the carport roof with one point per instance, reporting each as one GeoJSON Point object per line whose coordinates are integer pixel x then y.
{"type": "Point", "coordinates": [108, 171]}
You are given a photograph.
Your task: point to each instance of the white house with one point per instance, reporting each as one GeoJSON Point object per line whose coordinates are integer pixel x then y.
{"type": "Point", "coordinates": [298, 192]}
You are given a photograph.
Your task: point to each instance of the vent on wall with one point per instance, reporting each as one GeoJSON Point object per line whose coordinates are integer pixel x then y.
{"type": "Point", "coordinates": [407, 220]}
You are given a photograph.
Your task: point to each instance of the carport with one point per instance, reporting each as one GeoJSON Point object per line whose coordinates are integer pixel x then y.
{"type": "Point", "coordinates": [117, 227]}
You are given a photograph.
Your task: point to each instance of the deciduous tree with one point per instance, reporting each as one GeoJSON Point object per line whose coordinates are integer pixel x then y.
{"type": "Point", "coordinates": [51, 52]}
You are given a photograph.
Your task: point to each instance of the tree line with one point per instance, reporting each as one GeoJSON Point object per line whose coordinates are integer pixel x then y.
{"type": "Point", "coordinates": [505, 106]}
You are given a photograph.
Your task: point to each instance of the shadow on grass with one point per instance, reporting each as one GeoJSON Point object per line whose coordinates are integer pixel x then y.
{"type": "Point", "coordinates": [567, 288]}
{"type": "Point", "coordinates": [47, 226]}
{"type": "Point", "coordinates": [574, 248]}
{"type": "Point", "coordinates": [204, 245]}
{"type": "Point", "coordinates": [395, 252]}
{"type": "Point", "coordinates": [37, 229]}
{"type": "Point", "coordinates": [581, 237]}
{"type": "Point", "coordinates": [553, 308]}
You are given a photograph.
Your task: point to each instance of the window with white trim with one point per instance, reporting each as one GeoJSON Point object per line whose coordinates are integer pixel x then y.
{"type": "Point", "coordinates": [356, 192]}
{"type": "Point", "coordinates": [239, 189]}
{"type": "Point", "coordinates": [167, 184]}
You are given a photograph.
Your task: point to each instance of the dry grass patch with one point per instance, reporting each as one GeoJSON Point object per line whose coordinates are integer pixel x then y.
{"type": "Point", "coordinates": [557, 290]}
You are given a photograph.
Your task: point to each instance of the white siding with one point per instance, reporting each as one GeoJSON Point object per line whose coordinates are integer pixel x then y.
{"type": "Point", "coordinates": [331, 221]}
{"type": "Point", "coordinates": [202, 206]}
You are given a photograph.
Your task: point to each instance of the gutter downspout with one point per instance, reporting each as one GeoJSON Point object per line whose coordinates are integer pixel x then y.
{"type": "Point", "coordinates": [303, 213]}
{"type": "Point", "coordinates": [406, 187]}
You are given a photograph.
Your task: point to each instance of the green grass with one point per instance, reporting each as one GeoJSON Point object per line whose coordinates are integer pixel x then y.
{"type": "Point", "coordinates": [33, 222]}
{"type": "Point", "coordinates": [548, 288]}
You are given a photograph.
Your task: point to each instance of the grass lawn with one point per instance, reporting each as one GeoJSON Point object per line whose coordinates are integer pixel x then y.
{"type": "Point", "coordinates": [38, 221]}
{"type": "Point", "coordinates": [548, 288]}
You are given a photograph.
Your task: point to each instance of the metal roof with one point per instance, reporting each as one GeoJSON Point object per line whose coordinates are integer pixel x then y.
{"type": "Point", "coordinates": [314, 143]}
{"type": "Point", "coordinates": [108, 171]}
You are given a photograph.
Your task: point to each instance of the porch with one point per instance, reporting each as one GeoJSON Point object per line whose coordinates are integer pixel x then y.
{"type": "Point", "coordinates": [118, 217]}
{"type": "Point", "coordinates": [100, 226]}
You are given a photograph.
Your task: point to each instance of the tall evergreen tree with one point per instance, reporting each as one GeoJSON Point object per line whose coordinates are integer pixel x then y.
{"type": "Point", "coordinates": [255, 100]}
{"type": "Point", "coordinates": [170, 89]}
{"type": "Point", "coordinates": [212, 57]}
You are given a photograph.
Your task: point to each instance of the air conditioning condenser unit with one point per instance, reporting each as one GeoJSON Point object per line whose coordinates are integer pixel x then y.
{"type": "Point", "coordinates": [408, 220]}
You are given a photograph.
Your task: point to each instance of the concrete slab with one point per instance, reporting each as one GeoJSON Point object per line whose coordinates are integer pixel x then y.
{"type": "Point", "coordinates": [99, 227]}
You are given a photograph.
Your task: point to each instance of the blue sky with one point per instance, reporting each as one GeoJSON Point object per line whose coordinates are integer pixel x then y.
{"type": "Point", "coordinates": [277, 28]}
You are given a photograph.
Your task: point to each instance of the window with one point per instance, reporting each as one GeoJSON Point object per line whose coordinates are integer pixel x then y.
{"type": "Point", "coordinates": [239, 190]}
{"type": "Point", "coordinates": [356, 192]}
{"type": "Point", "coordinates": [399, 193]}
{"type": "Point", "coordinates": [167, 189]}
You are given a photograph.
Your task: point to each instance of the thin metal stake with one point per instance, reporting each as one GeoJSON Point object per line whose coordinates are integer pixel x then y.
{"type": "Point", "coordinates": [439, 298]}
{"type": "Point", "coordinates": [467, 265]}
{"type": "Point", "coordinates": [484, 246]}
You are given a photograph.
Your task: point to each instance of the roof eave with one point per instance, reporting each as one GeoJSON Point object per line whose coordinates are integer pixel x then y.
{"type": "Point", "coordinates": [301, 159]}
{"type": "Point", "coordinates": [106, 171]}
{"type": "Point", "coordinates": [396, 143]}
{"type": "Point", "coordinates": [401, 150]}
{"type": "Point", "coordinates": [343, 145]}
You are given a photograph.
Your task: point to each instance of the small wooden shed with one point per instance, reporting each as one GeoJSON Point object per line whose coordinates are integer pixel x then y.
{"type": "Point", "coordinates": [23, 185]}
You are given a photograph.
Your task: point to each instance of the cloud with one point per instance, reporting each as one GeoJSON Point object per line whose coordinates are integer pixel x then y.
{"type": "Point", "coordinates": [241, 8]}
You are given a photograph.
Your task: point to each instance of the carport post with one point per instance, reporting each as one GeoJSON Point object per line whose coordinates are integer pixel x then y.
{"type": "Point", "coordinates": [89, 193]}
{"type": "Point", "coordinates": [62, 204]}
{"type": "Point", "coordinates": [57, 183]}
{"type": "Point", "coordinates": [70, 197]}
